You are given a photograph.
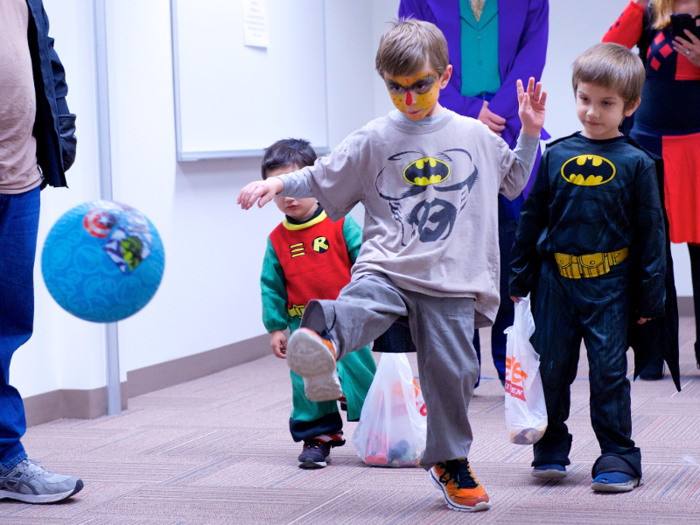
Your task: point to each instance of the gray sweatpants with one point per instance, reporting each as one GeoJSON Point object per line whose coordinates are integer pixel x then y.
{"type": "Point", "coordinates": [442, 330]}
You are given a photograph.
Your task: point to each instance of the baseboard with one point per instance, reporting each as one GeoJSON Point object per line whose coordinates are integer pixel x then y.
{"type": "Point", "coordinates": [72, 404]}
{"type": "Point", "coordinates": [90, 404]}
{"type": "Point", "coordinates": [163, 375]}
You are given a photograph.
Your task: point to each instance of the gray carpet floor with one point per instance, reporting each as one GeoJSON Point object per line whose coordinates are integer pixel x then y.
{"type": "Point", "coordinates": [217, 451]}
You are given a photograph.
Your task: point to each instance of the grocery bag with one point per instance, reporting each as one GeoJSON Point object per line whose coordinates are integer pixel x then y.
{"type": "Point", "coordinates": [526, 412]}
{"type": "Point", "coordinates": [392, 427]}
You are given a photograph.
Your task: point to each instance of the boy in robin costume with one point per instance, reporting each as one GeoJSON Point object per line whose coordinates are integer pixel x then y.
{"type": "Point", "coordinates": [309, 257]}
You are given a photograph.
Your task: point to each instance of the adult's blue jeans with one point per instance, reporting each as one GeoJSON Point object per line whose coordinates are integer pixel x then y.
{"type": "Point", "coordinates": [19, 223]}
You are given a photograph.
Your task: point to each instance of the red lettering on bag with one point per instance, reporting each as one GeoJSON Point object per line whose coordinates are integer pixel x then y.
{"type": "Point", "coordinates": [421, 406]}
{"type": "Point", "coordinates": [515, 390]}
{"type": "Point", "coordinates": [515, 378]}
{"type": "Point", "coordinates": [514, 371]}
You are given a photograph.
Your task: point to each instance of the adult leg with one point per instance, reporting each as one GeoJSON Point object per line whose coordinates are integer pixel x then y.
{"type": "Point", "coordinates": [694, 251]}
{"type": "Point", "coordinates": [19, 222]}
{"type": "Point", "coordinates": [504, 319]}
{"type": "Point", "coordinates": [507, 226]}
{"type": "Point", "coordinates": [20, 479]}
{"type": "Point", "coordinates": [557, 340]}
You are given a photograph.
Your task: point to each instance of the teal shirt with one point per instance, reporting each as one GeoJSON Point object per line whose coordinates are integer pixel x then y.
{"type": "Point", "coordinates": [479, 45]}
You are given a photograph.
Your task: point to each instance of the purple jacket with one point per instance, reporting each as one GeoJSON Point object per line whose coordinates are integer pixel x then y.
{"type": "Point", "coordinates": [523, 28]}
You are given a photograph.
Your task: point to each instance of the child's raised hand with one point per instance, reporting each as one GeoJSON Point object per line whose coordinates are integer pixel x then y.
{"type": "Point", "coordinates": [278, 342]}
{"type": "Point", "coordinates": [531, 110]}
{"type": "Point", "coordinates": [265, 190]}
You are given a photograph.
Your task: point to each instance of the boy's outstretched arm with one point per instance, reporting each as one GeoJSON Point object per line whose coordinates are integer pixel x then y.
{"type": "Point", "coordinates": [531, 106]}
{"type": "Point", "coordinates": [265, 190]}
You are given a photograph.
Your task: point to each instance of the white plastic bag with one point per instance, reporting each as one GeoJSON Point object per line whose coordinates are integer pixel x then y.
{"type": "Point", "coordinates": [392, 427]}
{"type": "Point", "coordinates": [526, 413]}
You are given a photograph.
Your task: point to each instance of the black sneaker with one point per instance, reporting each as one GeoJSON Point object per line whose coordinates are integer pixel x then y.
{"type": "Point", "coordinates": [315, 454]}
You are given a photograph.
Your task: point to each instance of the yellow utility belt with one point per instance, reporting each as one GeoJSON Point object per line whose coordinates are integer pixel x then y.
{"type": "Point", "coordinates": [578, 266]}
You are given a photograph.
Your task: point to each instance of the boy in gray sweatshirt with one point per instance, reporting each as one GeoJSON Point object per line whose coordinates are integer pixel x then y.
{"type": "Point", "coordinates": [428, 179]}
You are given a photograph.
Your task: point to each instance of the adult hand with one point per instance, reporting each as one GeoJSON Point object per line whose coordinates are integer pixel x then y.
{"type": "Point", "coordinates": [493, 121]}
{"type": "Point", "coordinates": [265, 190]}
{"type": "Point", "coordinates": [643, 320]}
{"type": "Point", "coordinates": [278, 342]}
{"type": "Point", "coordinates": [531, 110]}
{"type": "Point", "coordinates": [690, 48]}
{"type": "Point", "coordinates": [515, 299]}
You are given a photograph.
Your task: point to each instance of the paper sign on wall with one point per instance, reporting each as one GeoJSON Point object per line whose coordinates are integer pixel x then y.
{"type": "Point", "coordinates": [255, 23]}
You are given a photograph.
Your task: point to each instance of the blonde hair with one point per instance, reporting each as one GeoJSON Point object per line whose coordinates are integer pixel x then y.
{"type": "Point", "coordinates": [408, 45]}
{"type": "Point", "coordinates": [611, 66]}
{"type": "Point", "coordinates": [662, 11]}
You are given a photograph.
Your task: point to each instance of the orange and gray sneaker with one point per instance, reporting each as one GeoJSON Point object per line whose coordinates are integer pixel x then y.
{"type": "Point", "coordinates": [461, 489]}
{"type": "Point", "coordinates": [313, 358]}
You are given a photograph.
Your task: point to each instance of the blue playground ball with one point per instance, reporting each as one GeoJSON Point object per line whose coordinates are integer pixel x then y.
{"type": "Point", "coordinates": [103, 261]}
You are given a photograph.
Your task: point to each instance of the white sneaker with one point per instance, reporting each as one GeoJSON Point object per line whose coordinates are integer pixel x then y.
{"type": "Point", "coordinates": [313, 358]}
{"type": "Point", "coordinates": [31, 483]}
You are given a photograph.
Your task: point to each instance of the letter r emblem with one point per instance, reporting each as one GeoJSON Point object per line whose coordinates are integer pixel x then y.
{"type": "Point", "coordinates": [320, 245]}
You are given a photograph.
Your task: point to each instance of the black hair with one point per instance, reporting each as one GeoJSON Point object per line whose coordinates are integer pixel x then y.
{"type": "Point", "coordinates": [286, 153]}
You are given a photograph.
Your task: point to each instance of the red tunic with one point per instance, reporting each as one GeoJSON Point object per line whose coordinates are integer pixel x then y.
{"type": "Point", "coordinates": [314, 258]}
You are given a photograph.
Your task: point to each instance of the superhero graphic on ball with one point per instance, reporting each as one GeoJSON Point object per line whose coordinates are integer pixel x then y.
{"type": "Point", "coordinates": [420, 205]}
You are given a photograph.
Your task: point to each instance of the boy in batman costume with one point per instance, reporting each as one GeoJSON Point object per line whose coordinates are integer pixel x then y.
{"type": "Point", "coordinates": [591, 247]}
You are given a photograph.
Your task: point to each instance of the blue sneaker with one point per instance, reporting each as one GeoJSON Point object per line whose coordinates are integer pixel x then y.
{"type": "Point", "coordinates": [615, 482]}
{"type": "Point", "coordinates": [551, 471]}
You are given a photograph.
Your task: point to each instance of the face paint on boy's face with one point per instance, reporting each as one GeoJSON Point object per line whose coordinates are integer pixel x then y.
{"type": "Point", "coordinates": [414, 96]}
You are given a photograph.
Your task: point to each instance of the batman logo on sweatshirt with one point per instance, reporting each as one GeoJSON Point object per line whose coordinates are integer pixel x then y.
{"type": "Point", "coordinates": [588, 170]}
{"type": "Point", "coordinates": [425, 171]}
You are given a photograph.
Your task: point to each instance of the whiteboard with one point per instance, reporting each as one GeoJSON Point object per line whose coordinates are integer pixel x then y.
{"type": "Point", "coordinates": [234, 101]}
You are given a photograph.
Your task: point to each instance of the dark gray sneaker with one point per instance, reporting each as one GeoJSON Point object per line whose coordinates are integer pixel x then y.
{"type": "Point", "coordinates": [30, 483]}
{"type": "Point", "coordinates": [315, 454]}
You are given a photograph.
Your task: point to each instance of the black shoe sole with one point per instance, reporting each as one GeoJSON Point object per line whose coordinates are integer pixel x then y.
{"type": "Point", "coordinates": [310, 464]}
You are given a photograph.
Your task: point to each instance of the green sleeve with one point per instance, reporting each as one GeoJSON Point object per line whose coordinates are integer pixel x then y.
{"type": "Point", "coordinates": [353, 237]}
{"type": "Point", "coordinates": [274, 291]}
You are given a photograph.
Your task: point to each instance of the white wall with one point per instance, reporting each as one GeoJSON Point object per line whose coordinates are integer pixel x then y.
{"type": "Point", "coordinates": [209, 296]}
